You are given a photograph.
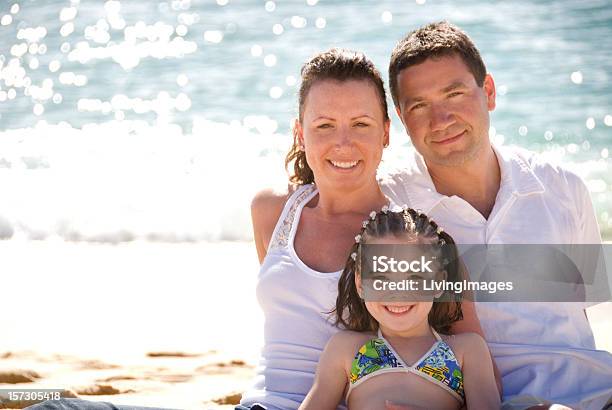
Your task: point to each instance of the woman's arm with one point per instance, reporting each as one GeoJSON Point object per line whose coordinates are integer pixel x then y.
{"type": "Point", "coordinates": [330, 380]}
{"type": "Point", "coordinates": [478, 379]}
{"type": "Point", "coordinates": [266, 208]}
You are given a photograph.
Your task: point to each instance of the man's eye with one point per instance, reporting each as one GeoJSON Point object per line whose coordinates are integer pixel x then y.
{"type": "Point", "coordinates": [455, 94]}
{"type": "Point", "coordinates": [362, 124]}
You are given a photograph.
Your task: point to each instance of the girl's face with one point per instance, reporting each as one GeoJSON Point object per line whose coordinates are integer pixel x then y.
{"type": "Point", "coordinates": [399, 310]}
{"type": "Point", "coordinates": [343, 132]}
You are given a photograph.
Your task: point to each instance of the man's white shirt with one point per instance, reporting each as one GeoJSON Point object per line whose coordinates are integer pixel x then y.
{"type": "Point", "coordinates": [541, 349]}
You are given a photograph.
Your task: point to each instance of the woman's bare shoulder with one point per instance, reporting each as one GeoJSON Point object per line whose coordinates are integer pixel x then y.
{"type": "Point", "coordinates": [270, 197]}
{"type": "Point", "coordinates": [268, 203]}
{"type": "Point", "coordinates": [266, 208]}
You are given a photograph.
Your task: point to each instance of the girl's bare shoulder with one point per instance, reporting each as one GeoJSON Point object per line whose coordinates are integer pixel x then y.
{"type": "Point", "coordinates": [348, 340]}
{"type": "Point", "coordinates": [466, 342]}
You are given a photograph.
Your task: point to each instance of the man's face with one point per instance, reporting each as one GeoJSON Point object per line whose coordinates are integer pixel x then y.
{"type": "Point", "coordinates": [444, 111]}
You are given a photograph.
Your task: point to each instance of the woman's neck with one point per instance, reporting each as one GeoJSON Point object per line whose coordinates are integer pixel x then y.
{"type": "Point", "coordinates": [332, 202]}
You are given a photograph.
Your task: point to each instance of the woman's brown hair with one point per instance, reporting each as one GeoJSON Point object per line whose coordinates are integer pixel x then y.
{"type": "Point", "coordinates": [335, 64]}
{"type": "Point", "coordinates": [351, 312]}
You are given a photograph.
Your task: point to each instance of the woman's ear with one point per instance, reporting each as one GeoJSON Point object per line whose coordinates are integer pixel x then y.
{"type": "Point", "coordinates": [298, 134]}
{"type": "Point", "coordinates": [386, 136]}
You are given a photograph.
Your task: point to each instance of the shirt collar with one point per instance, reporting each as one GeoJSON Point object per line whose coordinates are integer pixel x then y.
{"type": "Point", "coordinates": [517, 177]}
{"type": "Point", "coordinates": [516, 174]}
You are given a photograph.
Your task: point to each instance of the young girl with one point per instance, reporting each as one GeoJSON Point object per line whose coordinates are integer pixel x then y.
{"type": "Point", "coordinates": [399, 351]}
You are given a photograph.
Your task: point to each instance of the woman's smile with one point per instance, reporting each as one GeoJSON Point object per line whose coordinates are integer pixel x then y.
{"type": "Point", "coordinates": [344, 165]}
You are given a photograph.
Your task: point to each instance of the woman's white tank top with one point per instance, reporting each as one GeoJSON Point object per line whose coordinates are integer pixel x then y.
{"type": "Point", "coordinates": [295, 300]}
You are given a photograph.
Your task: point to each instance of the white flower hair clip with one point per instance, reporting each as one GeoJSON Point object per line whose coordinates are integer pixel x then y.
{"type": "Point", "coordinates": [357, 238]}
{"type": "Point", "coordinates": [439, 230]}
{"type": "Point", "coordinates": [385, 209]}
{"type": "Point", "coordinates": [364, 224]}
{"type": "Point", "coordinates": [373, 215]}
{"type": "Point", "coordinates": [354, 256]}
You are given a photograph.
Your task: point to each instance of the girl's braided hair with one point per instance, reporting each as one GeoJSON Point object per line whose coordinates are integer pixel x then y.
{"type": "Point", "coordinates": [351, 312]}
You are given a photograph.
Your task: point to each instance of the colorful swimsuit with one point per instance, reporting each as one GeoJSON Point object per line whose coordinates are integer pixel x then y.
{"type": "Point", "coordinates": [439, 365]}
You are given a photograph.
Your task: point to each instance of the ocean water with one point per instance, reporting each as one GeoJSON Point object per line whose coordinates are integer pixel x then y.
{"type": "Point", "coordinates": [159, 120]}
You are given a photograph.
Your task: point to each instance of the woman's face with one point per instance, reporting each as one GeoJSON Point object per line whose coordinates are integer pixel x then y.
{"type": "Point", "coordinates": [343, 132]}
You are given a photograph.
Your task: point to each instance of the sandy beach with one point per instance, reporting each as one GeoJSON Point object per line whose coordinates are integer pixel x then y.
{"type": "Point", "coordinates": [141, 323]}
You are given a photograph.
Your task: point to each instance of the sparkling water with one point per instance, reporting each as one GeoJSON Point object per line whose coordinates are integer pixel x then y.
{"type": "Point", "coordinates": [160, 120]}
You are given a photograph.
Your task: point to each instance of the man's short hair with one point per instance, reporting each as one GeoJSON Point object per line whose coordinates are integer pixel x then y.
{"type": "Point", "coordinates": [434, 40]}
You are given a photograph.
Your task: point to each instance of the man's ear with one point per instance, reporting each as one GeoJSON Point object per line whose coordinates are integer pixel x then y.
{"type": "Point", "coordinates": [490, 93]}
{"type": "Point", "coordinates": [398, 111]}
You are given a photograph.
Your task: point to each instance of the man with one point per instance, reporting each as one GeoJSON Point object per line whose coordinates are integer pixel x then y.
{"type": "Point", "coordinates": [485, 194]}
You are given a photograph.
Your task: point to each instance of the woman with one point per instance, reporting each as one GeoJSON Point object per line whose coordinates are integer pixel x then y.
{"type": "Point", "coordinates": [303, 236]}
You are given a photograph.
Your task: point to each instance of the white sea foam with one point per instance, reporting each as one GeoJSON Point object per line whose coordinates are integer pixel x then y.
{"type": "Point", "coordinates": [128, 180]}
{"type": "Point", "coordinates": [119, 181]}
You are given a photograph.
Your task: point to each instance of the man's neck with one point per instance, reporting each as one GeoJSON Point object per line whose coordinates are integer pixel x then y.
{"type": "Point", "coordinates": [476, 181]}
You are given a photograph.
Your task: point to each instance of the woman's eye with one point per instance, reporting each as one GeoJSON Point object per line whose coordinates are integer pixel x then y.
{"type": "Point", "coordinates": [417, 106]}
{"type": "Point", "coordinates": [324, 126]}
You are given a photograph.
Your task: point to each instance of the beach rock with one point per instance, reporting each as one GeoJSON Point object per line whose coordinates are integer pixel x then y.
{"type": "Point", "coordinates": [100, 390]}
{"type": "Point", "coordinates": [222, 367]}
{"type": "Point", "coordinates": [174, 378]}
{"type": "Point", "coordinates": [232, 398]}
{"type": "Point", "coordinates": [173, 354]}
{"type": "Point", "coordinates": [18, 376]}
{"type": "Point", "coordinates": [96, 365]}
{"type": "Point", "coordinates": [117, 378]}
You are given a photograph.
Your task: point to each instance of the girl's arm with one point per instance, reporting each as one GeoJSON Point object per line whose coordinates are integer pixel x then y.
{"type": "Point", "coordinates": [471, 324]}
{"type": "Point", "coordinates": [330, 380]}
{"type": "Point", "coordinates": [478, 379]}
